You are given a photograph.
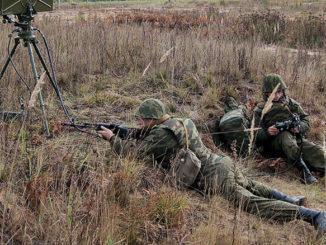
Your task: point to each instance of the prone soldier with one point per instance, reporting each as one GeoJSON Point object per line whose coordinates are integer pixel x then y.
{"type": "Point", "coordinates": [166, 136]}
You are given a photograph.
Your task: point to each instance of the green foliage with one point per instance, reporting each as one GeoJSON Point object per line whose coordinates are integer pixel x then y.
{"type": "Point", "coordinates": [211, 97]}
{"type": "Point", "coordinates": [103, 98]}
{"type": "Point", "coordinates": [126, 180]}
{"type": "Point", "coordinates": [23, 138]}
{"type": "Point", "coordinates": [168, 208]}
{"type": "Point", "coordinates": [193, 83]}
{"type": "Point", "coordinates": [232, 91]}
{"type": "Point", "coordinates": [109, 241]}
{"type": "Point", "coordinates": [264, 2]}
{"type": "Point", "coordinates": [158, 80]}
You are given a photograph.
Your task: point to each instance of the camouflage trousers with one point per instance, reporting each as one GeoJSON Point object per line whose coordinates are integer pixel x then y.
{"type": "Point", "coordinates": [221, 176]}
{"type": "Point", "coordinates": [286, 145]}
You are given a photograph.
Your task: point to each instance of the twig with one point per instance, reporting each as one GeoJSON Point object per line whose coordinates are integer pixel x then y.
{"type": "Point", "coordinates": [146, 69]}
{"type": "Point", "coordinates": [269, 102]}
{"type": "Point", "coordinates": [266, 109]}
{"type": "Point", "coordinates": [36, 91]}
{"type": "Point", "coordinates": [164, 56]}
{"type": "Point", "coordinates": [252, 134]}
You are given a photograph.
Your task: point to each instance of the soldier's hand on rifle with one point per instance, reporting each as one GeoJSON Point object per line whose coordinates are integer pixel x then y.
{"type": "Point", "coordinates": [105, 133]}
{"type": "Point", "coordinates": [295, 130]}
{"type": "Point", "coordinates": [272, 130]}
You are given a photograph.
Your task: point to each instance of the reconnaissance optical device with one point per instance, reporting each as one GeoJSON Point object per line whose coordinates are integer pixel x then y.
{"type": "Point", "coordinates": [16, 7]}
{"type": "Point", "coordinates": [21, 13]}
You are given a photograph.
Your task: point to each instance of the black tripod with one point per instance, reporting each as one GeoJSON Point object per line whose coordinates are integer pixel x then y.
{"type": "Point", "coordinates": [25, 33]}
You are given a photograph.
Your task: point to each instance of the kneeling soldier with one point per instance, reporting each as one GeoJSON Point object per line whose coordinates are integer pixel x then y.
{"type": "Point", "coordinates": [279, 139]}
{"type": "Point", "coordinates": [166, 136]}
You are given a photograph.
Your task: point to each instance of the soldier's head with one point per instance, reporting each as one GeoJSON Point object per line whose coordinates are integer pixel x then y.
{"type": "Point", "coordinates": [269, 84]}
{"type": "Point", "coordinates": [151, 112]}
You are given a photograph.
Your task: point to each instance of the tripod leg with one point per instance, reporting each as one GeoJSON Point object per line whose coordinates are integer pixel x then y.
{"type": "Point", "coordinates": [52, 79]}
{"type": "Point", "coordinates": [12, 52]}
{"type": "Point", "coordinates": [40, 96]}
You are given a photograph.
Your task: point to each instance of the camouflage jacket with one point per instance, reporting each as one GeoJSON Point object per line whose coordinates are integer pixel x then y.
{"type": "Point", "coordinates": [164, 140]}
{"type": "Point", "coordinates": [280, 111]}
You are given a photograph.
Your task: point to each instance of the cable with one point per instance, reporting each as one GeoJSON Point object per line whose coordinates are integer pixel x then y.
{"type": "Point", "coordinates": [233, 131]}
{"type": "Point", "coordinates": [49, 55]}
{"type": "Point", "coordinates": [53, 80]}
{"type": "Point", "coordinates": [271, 174]}
{"type": "Point", "coordinates": [56, 86]}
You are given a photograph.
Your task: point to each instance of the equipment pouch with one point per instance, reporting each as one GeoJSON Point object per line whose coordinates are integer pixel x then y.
{"type": "Point", "coordinates": [186, 165]}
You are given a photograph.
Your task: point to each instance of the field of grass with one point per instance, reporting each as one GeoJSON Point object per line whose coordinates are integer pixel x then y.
{"type": "Point", "coordinates": [247, 5]}
{"type": "Point", "coordinates": [73, 189]}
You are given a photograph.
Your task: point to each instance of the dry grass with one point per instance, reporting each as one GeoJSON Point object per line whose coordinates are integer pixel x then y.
{"type": "Point", "coordinates": [36, 91]}
{"type": "Point", "coordinates": [73, 188]}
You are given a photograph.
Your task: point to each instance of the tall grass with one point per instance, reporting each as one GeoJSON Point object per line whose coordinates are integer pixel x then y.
{"type": "Point", "coordinates": [98, 47]}
{"type": "Point", "coordinates": [74, 189]}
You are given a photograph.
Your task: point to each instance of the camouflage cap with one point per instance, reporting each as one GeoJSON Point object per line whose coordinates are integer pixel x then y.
{"type": "Point", "coordinates": [270, 82]}
{"type": "Point", "coordinates": [151, 109]}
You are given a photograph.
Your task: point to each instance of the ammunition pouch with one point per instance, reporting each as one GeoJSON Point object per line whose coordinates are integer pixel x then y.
{"type": "Point", "coordinates": [186, 168]}
{"type": "Point", "coordinates": [186, 165]}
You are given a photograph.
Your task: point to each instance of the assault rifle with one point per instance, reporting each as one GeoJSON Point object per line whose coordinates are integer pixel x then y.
{"type": "Point", "coordinates": [299, 163]}
{"type": "Point", "coordinates": [288, 124]}
{"type": "Point", "coordinates": [120, 131]}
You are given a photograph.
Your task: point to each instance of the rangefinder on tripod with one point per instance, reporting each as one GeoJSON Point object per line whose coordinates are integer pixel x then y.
{"type": "Point", "coordinates": [17, 7]}
{"type": "Point", "coordinates": [21, 13]}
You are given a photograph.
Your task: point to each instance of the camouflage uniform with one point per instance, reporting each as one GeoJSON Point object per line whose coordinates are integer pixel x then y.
{"type": "Point", "coordinates": [218, 173]}
{"type": "Point", "coordinates": [286, 144]}
{"type": "Point", "coordinates": [229, 129]}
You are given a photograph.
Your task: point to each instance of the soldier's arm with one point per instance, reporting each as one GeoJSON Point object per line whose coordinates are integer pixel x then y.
{"type": "Point", "coordinates": [304, 117]}
{"type": "Point", "coordinates": [159, 144]}
{"type": "Point", "coordinates": [122, 147]}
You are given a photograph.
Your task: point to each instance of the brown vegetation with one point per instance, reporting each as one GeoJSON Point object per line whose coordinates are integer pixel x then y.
{"type": "Point", "coordinates": [74, 189]}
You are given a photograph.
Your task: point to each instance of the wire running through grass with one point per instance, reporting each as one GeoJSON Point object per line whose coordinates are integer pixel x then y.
{"type": "Point", "coordinates": [235, 131]}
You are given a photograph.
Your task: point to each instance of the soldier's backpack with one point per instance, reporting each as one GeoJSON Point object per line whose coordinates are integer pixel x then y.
{"type": "Point", "coordinates": [229, 130]}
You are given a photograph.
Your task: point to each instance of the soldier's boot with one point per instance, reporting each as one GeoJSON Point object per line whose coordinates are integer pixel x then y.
{"type": "Point", "coordinates": [314, 217]}
{"type": "Point", "coordinates": [297, 200]}
{"type": "Point", "coordinates": [308, 178]}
